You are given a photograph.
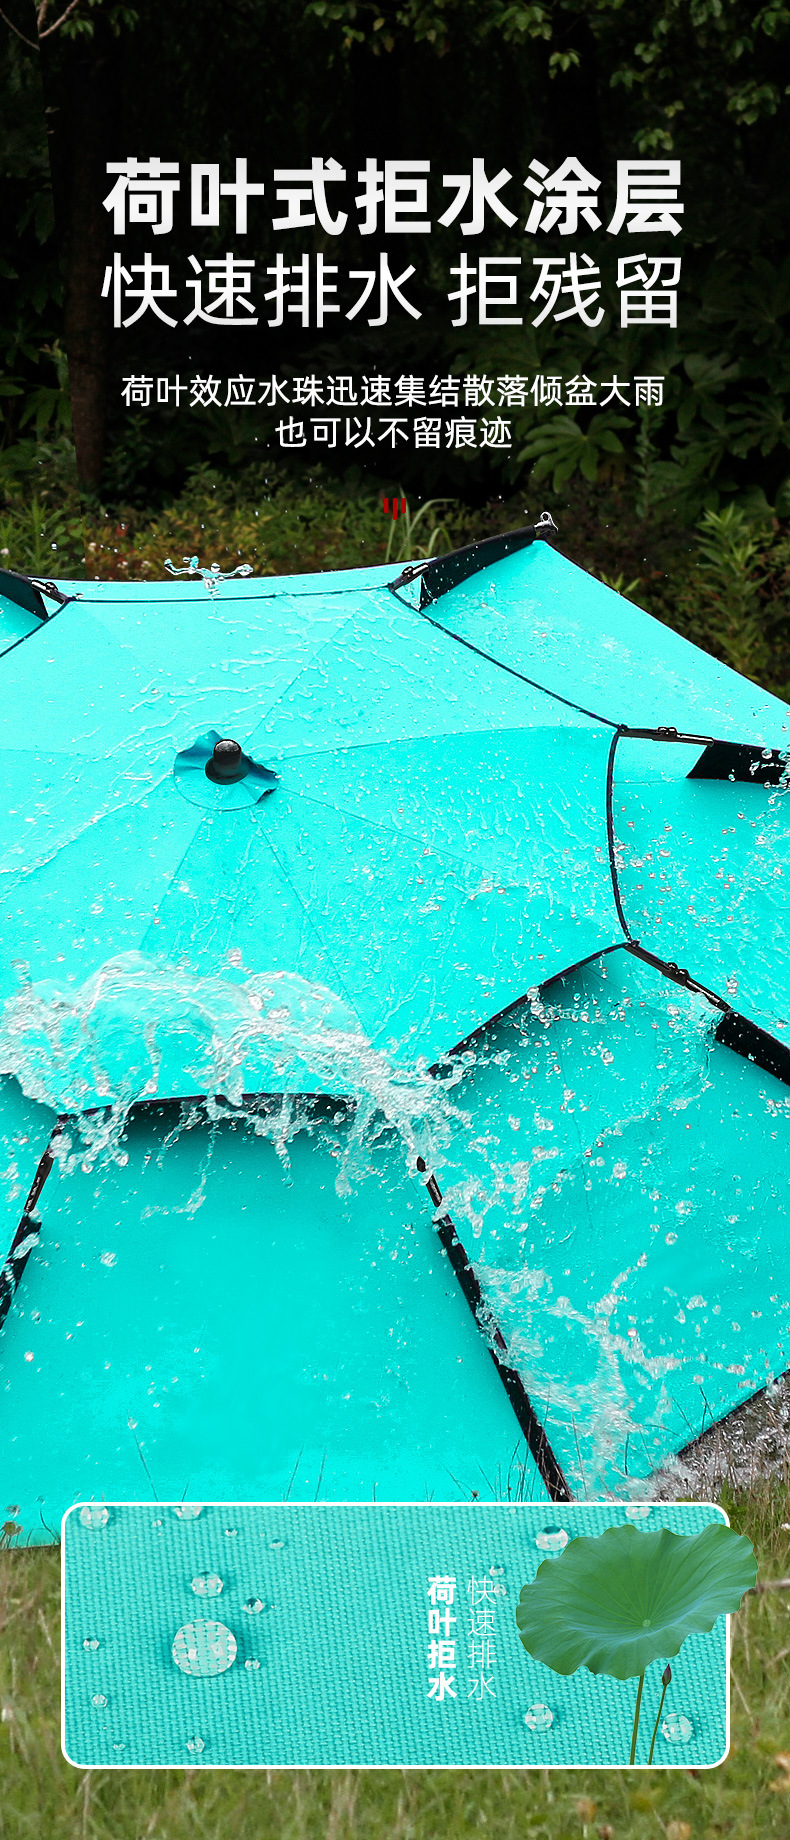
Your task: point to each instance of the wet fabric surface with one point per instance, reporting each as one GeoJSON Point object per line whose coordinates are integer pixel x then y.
{"type": "Point", "coordinates": [204, 1313]}
{"type": "Point", "coordinates": [435, 848]}
{"type": "Point", "coordinates": [324, 1642]}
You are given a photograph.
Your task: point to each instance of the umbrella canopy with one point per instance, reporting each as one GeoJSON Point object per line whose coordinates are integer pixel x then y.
{"type": "Point", "coordinates": [420, 831]}
{"type": "Point", "coordinates": [323, 835]}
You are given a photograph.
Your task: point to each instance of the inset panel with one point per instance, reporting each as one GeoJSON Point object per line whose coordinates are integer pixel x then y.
{"type": "Point", "coordinates": [360, 1635]}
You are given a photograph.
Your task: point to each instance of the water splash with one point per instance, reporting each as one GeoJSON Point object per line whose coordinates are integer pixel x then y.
{"type": "Point", "coordinates": [141, 1029]}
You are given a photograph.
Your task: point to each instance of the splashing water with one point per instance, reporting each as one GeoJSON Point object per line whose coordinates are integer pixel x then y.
{"type": "Point", "coordinates": [139, 1029]}
{"type": "Point", "coordinates": [516, 1129]}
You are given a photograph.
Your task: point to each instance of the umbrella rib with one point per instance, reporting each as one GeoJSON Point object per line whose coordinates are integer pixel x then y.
{"type": "Point", "coordinates": [610, 835]}
{"type": "Point", "coordinates": [359, 747]}
{"type": "Point", "coordinates": [314, 931]}
{"type": "Point", "coordinates": [377, 824]}
{"type": "Point", "coordinates": [309, 662]}
{"type": "Point", "coordinates": [734, 1030]}
{"type": "Point", "coordinates": [501, 1014]}
{"type": "Point", "coordinates": [309, 594]}
{"type": "Point", "coordinates": [26, 1235]}
{"type": "Point", "coordinates": [606, 721]}
{"type": "Point", "coordinates": [546, 1461]}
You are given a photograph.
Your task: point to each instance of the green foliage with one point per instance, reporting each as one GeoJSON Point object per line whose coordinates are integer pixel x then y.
{"type": "Point", "coordinates": [616, 1603]}
{"type": "Point", "coordinates": [563, 447]}
{"type": "Point", "coordinates": [41, 520]}
{"type": "Point", "coordinates": [657, 56]}
{"type": "Point", "coordinates": [72, 19]}
{"type": "Point", "coordinates": [417, 534]}
{"type": "Point", "coordinates": [257, 516]}
{"type": "Point", "coordinates": [33, 372]}
{"type": "Point", "coordinates": [735, 599]}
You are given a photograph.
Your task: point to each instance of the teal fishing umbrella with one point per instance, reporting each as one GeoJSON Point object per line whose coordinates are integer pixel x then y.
{"type": "Point", "coordinates": [328, 835]}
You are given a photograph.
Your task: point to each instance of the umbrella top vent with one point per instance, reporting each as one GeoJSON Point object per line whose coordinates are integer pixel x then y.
{"type": "Point", "coordinates": [227, 763]}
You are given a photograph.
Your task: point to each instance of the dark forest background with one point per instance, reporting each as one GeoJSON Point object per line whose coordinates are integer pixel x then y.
{"type": "Point", "coordinates": [684, 506]}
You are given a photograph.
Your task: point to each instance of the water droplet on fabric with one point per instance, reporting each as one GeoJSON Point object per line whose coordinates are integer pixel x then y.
{"type": "Point", "coordinates": [99, 1700]}
{"type": "Point", "coordinates": [495, 1571]}
{"type": "Point", "coordinates": [252, 1666]}
{"type": "Point", "coordinates": [538, 1717]}
{"type": "Point", "coordinates": [231, 1532]}
{"type": "Point", "coordinates": [196, 1744]}
{"type": "Point", "coordinates": [204, 1648]}
{"type": "Point", "coordinates": [551, 1540]}
{"type": "Point", "coordinates": [637, 1511]}
{"type": "Point", "coordinates": [207, 1584]}
{"type": "Point", "coordinates": [94, 1516]}
{"type": "Point", "coordinates": [254, 1606]}
{"type": "Point", "coordinates": [120, 1746]}
{"type": "Point", "coordinates": [276, 1545]}
{"type": "Point", "coordinates": [91, 1642]}
{"type": "Point", "coordinates": [188, 1511]}
{"type": "Point", "coordinates": [676, 1728]}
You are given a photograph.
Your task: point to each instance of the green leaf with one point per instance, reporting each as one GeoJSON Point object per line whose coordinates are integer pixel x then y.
{"type": "Point", "coordinates": [616, 1603]}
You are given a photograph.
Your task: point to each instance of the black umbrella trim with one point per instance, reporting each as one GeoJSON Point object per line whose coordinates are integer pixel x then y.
{"type": "Point", "coordinates": [26, 1235]}
{"type": "Point", "coordinates": [767, 767]}
{"type": "Point", "coordinates": [27, 591]}
{"type": "Point", "coordinates": [441, 573]}
{"type": "Point", "coordinates": [534, 1432]}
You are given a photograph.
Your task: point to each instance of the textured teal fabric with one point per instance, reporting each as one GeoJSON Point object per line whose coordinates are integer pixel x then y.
{"type": "Point", "coordinates": [704, 872]}
{"type": "Point", "coordinates": [15, 623]}
{"type": "Point", "coordinates": [435, 849]}
{"type": "Point", "coordinates": [626, 1208]}
{"type": "Point", "coordinates": [436, 842]}
{"type": "Point", "coordinates": [343, 1642]}
{"type": "Point", "coordinates": [539, 614]}
{"type": "Point", "coordinates": [206, 1311]}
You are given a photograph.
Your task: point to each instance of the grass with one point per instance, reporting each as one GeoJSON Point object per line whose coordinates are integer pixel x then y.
{"type": "Point", "coordinates": [746, 1797]}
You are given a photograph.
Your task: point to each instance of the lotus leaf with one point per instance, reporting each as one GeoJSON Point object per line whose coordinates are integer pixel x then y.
{"type": "Point", "coordinates": [616, 1603]}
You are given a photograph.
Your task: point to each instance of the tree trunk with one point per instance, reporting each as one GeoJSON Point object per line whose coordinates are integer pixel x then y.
{"type": "Point", "coordinates": [78, 90]}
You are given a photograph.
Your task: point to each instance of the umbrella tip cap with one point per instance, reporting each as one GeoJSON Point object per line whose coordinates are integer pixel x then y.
{"type": "Point", "coordinates": [227, 762]}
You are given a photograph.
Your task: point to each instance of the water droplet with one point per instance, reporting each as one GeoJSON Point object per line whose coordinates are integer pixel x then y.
{"type": "Point", "coordinates": [495, 1571]}
{"type": "Point", "coordinates": [676, 1727]}
{"type": "Point", "coordinates": [91, 1642]}
{"type": "Point", "coordinates": [188, 1511]}
{"type": "Point", "coordinates": [204, 1648]}
{"type": "Point", "coordinates": [196, 1744]}
{"type": "Point", "coordinates": [539, 1717]}
{"type": "Point", "coordinates": [120, 1746]}
{"type": "Point", "coordinates": [207, 1584]}
{"type": "Point", "coordinates": [637, 1511]}
{"type": "Point", "coordinates": [158, 1525]}
{"type": "Point", "coordinates": [276, 1545]}
{"type": "Point", "coordinates": [252, 1666]}
{"type": "Point", "coordinates": [99, 1699]}
{"type": "Point", "coordinates": [500, 1588]}
{"type": "Point", "coordinates": [551, 1540]}
{"type": "Point", "coordinates": [231, 1532]}
{"type": "Point", "coordinates": [92, 1516]}
{"type": "Point", "coordinates": [254, 1606]}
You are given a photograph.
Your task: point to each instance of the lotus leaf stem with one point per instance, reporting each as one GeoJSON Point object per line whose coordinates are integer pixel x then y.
{"type": "Point", "coordinates": [635, 1732]}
